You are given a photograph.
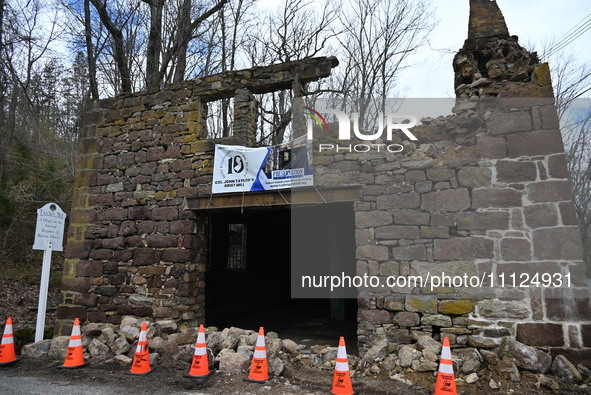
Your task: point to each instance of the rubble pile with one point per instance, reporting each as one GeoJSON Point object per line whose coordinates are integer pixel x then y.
{"type": "Point", "coordinates": [231, 349]}
{"type": "Point", "coordinates": [483, 67]}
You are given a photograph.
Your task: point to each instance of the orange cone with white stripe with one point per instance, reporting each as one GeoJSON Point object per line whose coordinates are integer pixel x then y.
{"type": "Point", "coordinates": [200, 364]}
{"type": "Point", "coordinates": [259, 367]}
{"type": "Point", "coordinates": [446, 380]}
{"type": "Point", "coordinates": [7, 354]}
{"type": "Point", "coordinates": [141, 360]}
{"type": "Point", "coordinates": [75, 355]}
{"type": "Point", "coordinates": [341, 382]}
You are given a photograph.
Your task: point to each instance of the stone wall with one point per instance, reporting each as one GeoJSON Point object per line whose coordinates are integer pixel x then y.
{"type": "Point", "coordinates": [485, 191]}
{"type": "Point", "coordinates": [498, 202]}
{"type": "Point", "coordinates": [132, 246]}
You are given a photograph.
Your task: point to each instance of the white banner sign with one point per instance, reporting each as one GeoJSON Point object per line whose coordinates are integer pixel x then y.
{"type": "Point", "coordinates": [243, 169]}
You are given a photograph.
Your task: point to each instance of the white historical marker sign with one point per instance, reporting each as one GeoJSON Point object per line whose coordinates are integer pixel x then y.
{"type": "Point", "coordinates": [50, 226]}
{"type": "Point", "coordinates": [49, 236]}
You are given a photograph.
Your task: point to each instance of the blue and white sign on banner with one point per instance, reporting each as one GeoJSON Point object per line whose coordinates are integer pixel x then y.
{"type": "Point", "coordinates": [243, 169]}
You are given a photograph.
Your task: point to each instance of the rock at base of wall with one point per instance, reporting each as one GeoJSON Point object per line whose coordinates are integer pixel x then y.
{"type": "Point", "coordinates": [529, 358]}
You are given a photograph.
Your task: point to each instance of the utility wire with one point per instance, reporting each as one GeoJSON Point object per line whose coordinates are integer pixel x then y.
{"type": "Point", "coordinates": [575, 26]}
{"type": "Point", "coordinates": [573, 38]}
{"type": "Point", "coordinates": [575, 32]}
{"type": "Point", "coordinates": [570, 32]}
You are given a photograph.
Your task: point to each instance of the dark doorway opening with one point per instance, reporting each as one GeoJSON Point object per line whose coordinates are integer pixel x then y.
{"type": "Point", "coordinates": [248, 279]}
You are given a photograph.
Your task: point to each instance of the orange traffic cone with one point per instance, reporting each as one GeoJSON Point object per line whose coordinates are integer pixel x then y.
{"type": "Point", "coordinates": [75, 355]}
{"type": "Point", "coordinates": [141, 360]}
{"type": "Point", "coordinates": [200, 365]}
{"type": "Point", "coordinates": [341, 382]}
{"type": "Point", "coordinates": [259, 367]}
{"type": "Point", "coordinates": [446, 380]}
{"type": "Point", "coordinates": [7, 354]}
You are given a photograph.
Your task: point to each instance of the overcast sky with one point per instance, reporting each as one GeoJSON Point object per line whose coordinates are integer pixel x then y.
{"type": "Point", "coordinates": [535, 22]}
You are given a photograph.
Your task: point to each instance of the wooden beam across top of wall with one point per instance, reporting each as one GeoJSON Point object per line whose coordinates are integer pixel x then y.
{"type": "Point", "coordinates": [275, 198]}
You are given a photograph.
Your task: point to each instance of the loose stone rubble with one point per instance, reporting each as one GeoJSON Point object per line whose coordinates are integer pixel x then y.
{"type": "Point", "coordinates": [230, 350]}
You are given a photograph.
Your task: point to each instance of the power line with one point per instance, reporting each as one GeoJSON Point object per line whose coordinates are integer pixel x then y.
{"type": "Point", "coordinates": [575, 32]}
{"type": "Point", "coordinates": [571, 31]}
{"type": "Point", "coordinates": [575, 26]}
{"type": "Point", "coordinates": [565, 42]}
{"type": "Point", "coordinates": [579, 33]}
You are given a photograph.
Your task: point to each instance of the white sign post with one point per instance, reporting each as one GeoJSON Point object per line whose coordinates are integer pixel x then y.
{"type": "Point", "coordinates": [49, 235]}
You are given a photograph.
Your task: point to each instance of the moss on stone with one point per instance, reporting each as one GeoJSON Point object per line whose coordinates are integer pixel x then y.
{"type": "Point", "coordinates": [456, 307]}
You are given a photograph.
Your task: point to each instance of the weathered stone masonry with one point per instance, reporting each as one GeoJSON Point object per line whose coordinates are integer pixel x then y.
{"type": "Point", "coordinates": [485, 191]}
{"type": "Point", "coordinates": [499, 202]}
{"type": "Point", "coordinates": [489, 193]}
{"type": "Point", "coordinates": [133, 247]}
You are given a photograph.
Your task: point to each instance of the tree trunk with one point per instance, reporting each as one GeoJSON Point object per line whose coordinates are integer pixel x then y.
{"type": "Point", "coordinates": [1, 24]}
{"type": "Point", "coordinates": [2, 72]}
{"type": "Point", "coordinates": [121, 60]}
{"type": "Point", "coordinates": [182, 41]}
{"type": "Point", "coordinates": [91, 60]}
{"type": "Point", "coordinates": [118, 45]}
{"type": "Point", "coordinates": [153, 77]}
{"type": "Point", "coordinates": [225, 102]}
{"type": "Point", "coordinates": [11, 125]}
{"type": "Point", "coordinates": [3, 130]}
{"type": "Point", "coordinates": [178, 52]}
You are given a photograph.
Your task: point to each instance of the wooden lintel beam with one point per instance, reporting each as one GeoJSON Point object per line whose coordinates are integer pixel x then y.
{"type": "Point", "coordinates": [275, 198]}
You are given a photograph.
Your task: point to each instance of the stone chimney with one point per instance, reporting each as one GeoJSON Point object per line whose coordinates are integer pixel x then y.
{"type": "Point", "coordinates": [486, 20]}
{"type": "Point", "coordinates": [493, 64]}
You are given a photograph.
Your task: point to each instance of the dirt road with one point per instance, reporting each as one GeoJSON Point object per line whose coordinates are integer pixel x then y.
{"type": "Point", "coordinates": [33, 377]}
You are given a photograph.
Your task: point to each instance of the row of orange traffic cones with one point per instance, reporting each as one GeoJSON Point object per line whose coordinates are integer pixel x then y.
{"type": "Point", "coordinates": [259, 368]}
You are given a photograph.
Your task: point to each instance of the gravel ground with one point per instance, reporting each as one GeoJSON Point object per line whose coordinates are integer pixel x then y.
{"type": "Point", "coordinates": [20, 301]}
{"type": "Point", "coordinates": [36, 377]}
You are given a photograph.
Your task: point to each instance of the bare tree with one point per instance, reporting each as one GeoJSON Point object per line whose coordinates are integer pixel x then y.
{"type": "Point", "coordinates": [233, 25]}
{"type": "Point", "coordinates": [175, 55]}
{"type": "Point", "coordinates": [158, 37]}
{"type": "Point", "coordinates": [154, 43]}
{"type": "Point", "coordinates": [29, 31]}
{"type": "Point", "coordinates": [298, 29]}
{"type": "Point", "coordinates": [377, 39]}
{"type": "Point", "coordinates": [4, 136]}
{"type": "Point", "coordinates": [577, 136]}
{"type": "Point", "coordinates": [1, 20]}
{"type": "Point", "coordinates": [90, 52]}
{"type": "Point", "coordinates": [91, 40]}
{"type": "Point", "coordinates": [37, 137]}
{"type": "Point", "coordinates": [572, 81]}
{"type": "Point", "coordinates": [119, 54]}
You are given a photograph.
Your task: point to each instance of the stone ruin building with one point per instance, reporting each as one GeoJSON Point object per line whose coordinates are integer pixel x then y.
{"type": "Point", "coordinates": [486, 191]}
